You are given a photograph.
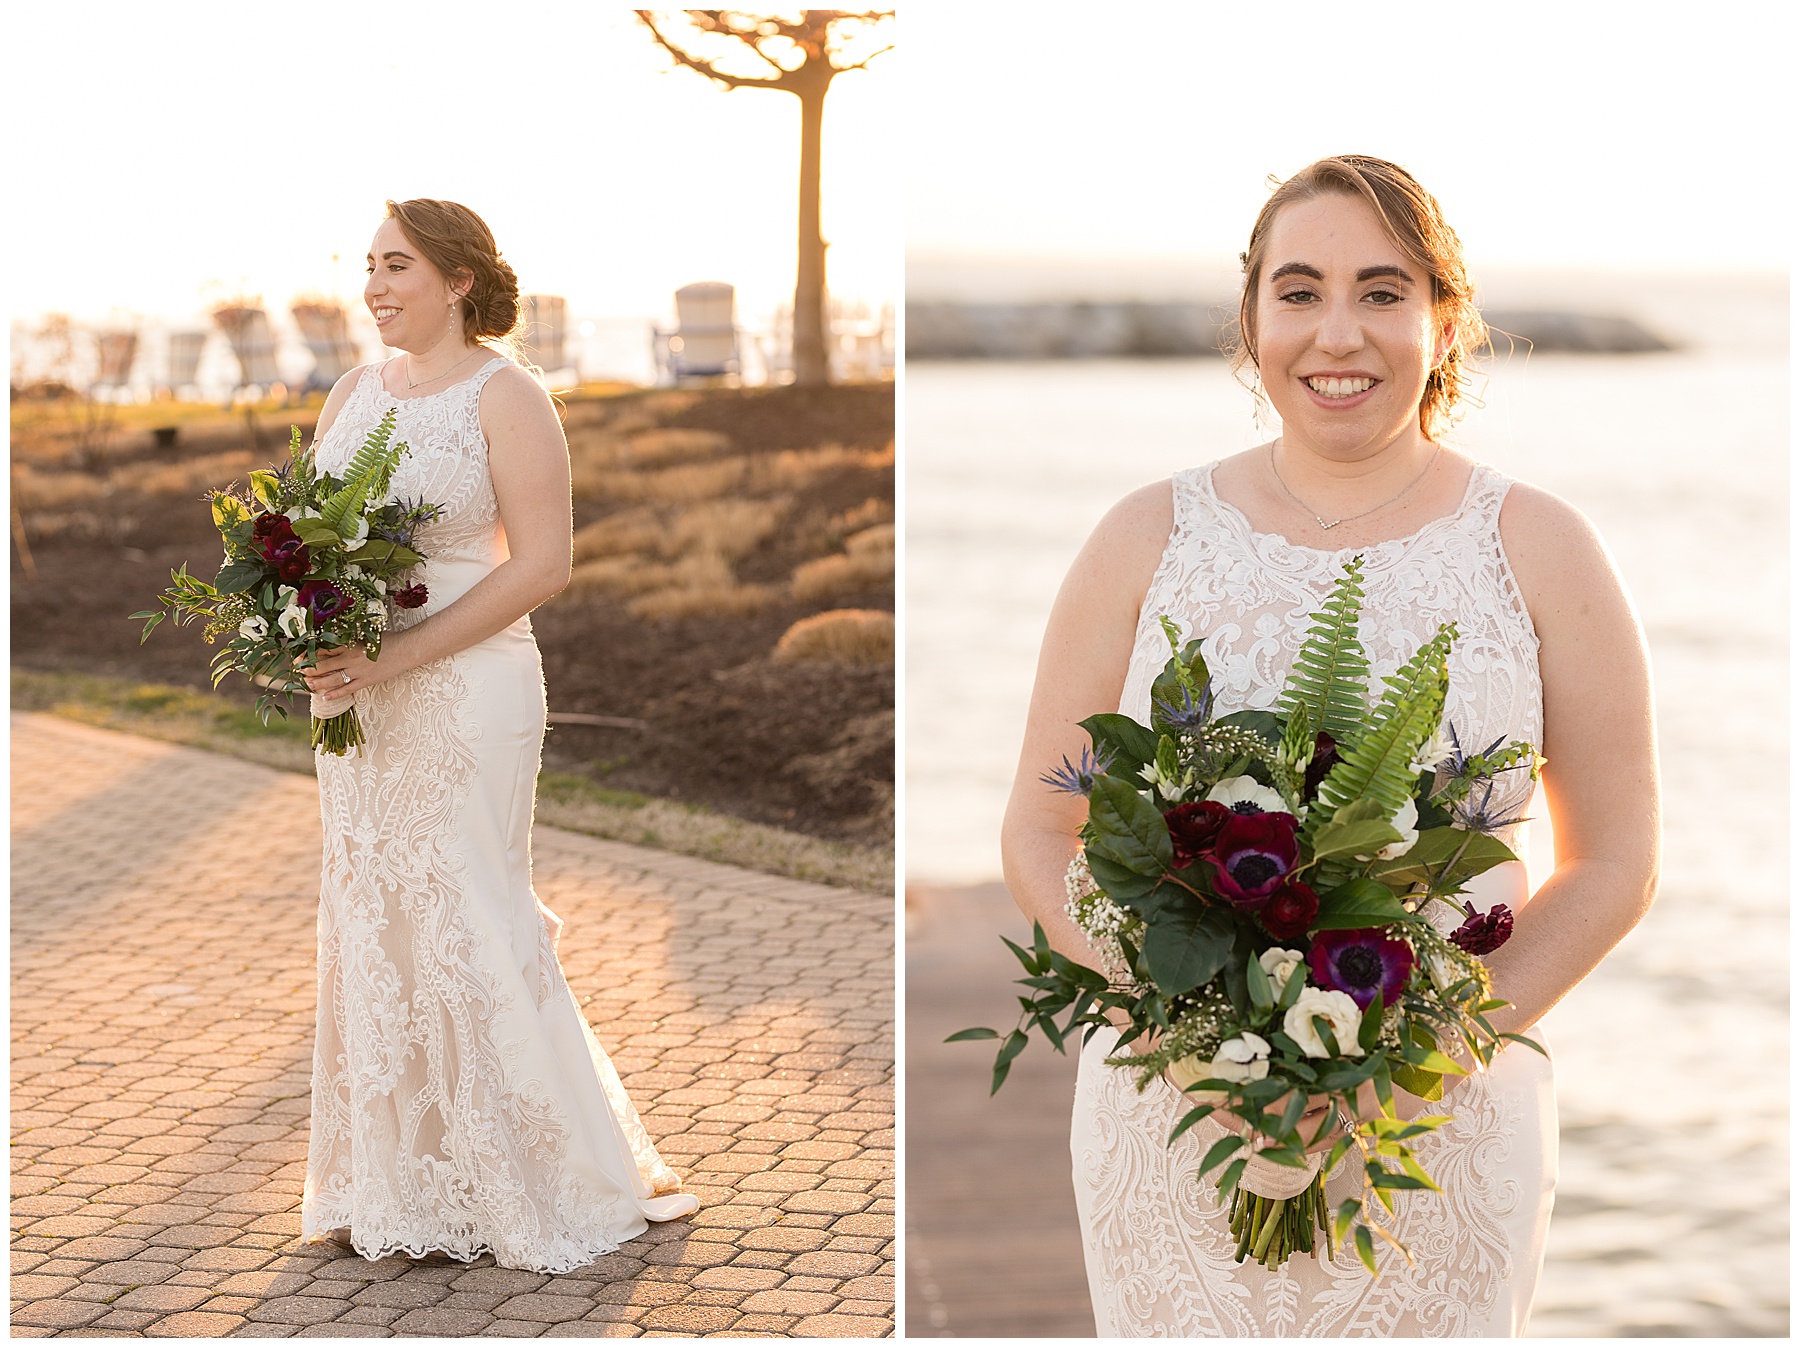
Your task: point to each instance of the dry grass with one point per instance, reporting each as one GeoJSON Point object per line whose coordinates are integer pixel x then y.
{"type": "Point", "coordinates": [867, 559]}
{"type": "Point", "coordinates": [875, 510]}
{"type": "Point", "coordinates": [795, 470]}
{"type": "Point", "coordinates": [672, 444]}
{"type": "Point", "coordinates": [845, 636]}
{"type": "Point", "coordinates": [638, 530]}
{"type": "Point", "coordinates": [729, 529]}
{"type": "Point", "coordinates": [725, 599]}
{"type": "Point", "coordinates": [35, 489]}
{"type": "Point", "coordinates": [696, 585]}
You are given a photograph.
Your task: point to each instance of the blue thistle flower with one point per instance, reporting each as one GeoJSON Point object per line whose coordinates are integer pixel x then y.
{"type": "Point", "coordinates": [1481, 818]}
{"type": "Point", "coordinates": [1076, 778]}
{"type": "Point", "coordinates": [1190, 713]}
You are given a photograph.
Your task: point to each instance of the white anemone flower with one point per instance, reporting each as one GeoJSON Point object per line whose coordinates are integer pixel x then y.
{"type": "Point", "coordinates": [255, 627]}
{"type": "Point", "coordinates": [1234, 793]}
{"type": "Point", "coordinates": [1406, 821]}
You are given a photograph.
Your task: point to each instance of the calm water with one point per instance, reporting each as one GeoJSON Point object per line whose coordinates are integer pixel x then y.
{"type": "Point", "coordinates": [1672, 1210]}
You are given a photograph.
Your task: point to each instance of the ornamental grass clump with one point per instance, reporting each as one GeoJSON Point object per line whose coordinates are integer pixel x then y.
{"type": "Point", "coordinates": [1260, 887]}
{"type": "Point", "coordinates": [310, 561]}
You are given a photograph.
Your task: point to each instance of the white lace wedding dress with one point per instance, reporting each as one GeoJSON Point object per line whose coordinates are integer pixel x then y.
{"type": "Point", "coordinates": [1159, 1256]}
{"type": "Point", "coordinates": [460, 1102]}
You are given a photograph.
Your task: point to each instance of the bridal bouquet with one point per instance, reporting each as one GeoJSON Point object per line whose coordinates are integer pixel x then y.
{"type": "Point", "coordinates": [308, 558]}
{"type": "Point", "coordinates": [1259, 886]}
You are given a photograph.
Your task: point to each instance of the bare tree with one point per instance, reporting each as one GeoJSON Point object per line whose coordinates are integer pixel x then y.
{"type": "Point", "coordinates": [805, 55]}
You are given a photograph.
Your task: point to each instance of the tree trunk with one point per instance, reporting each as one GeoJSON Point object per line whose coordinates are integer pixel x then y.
{"type": "Point", "coordinates": [812, 363]}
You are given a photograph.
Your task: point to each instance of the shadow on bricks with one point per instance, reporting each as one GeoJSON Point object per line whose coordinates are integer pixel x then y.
{"type": "Point", "coordinates": [162, 1005]}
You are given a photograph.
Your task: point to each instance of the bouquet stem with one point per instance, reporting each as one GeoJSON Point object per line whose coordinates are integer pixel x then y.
{"type": "Point", "coordinates": [339, 734]}
{"type": "Point", "coordinates": [1268, 1230]}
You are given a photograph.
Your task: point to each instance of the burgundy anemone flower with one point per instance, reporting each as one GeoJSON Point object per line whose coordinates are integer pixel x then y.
{"type": "Point", "coordinates": [289, 556]}
{"type": "Point", "coordinates": [1194, 828]}
{"type": "Point", "coordinates": [1484, 933]}
{"type": "Point", "coordinates": [323, 599]}
{"type": "Point", "coordinates": [1289, 911]}
{"type": "Point", "coordinates": [1324, 759]}
{"type": "Point", "coordinates": [1252, 855]}
{"type": "Point", "coordinates": [413, 596]}
{"type": "Point", "coordinates": [1363, 962]}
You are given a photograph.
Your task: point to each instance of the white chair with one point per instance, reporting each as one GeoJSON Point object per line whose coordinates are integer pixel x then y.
{"type": "Point", "coordinates": [252, 342]}
{"type": "Point", "coordinates": [704, 344]}
{"type": "Point", "coordinates": [326, 331]}
{"type": "Point", "coordinates": [544, 331]}
{"type": "Point", "coordinates": [185, 349]}
{"type": "Point", "coordinates": [117, 350]}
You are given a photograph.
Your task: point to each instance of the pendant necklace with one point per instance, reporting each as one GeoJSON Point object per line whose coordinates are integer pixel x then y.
{"type": "Point", "coordinates": [1347, 519]}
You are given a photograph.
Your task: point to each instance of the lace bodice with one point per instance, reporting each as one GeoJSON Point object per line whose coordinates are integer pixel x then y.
{"type": "Point", "coordinates": [1252, 596]}
{"type": "Point", "coordinates": [445, 462]}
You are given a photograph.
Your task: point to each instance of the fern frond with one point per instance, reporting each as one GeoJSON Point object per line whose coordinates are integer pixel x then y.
{"type": "Point", "coordinates": [1377, 766]}
{"type": "Point", "coordinates": [1330, 675]}
{"type": "Point", "coordinates": [367, 477]}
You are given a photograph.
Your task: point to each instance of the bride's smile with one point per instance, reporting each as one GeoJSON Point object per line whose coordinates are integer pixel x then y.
{"type": "Point", "coordinates": [1345, 332]}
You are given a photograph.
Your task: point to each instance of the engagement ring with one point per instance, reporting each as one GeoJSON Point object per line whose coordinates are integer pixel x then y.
{"type": "Point", "coordinates": [346, 674]}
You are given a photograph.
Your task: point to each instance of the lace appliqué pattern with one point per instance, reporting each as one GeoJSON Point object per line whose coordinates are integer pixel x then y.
{"type": "Point", "coordinates": [1158, 1250]}
{"type": "Point", "coordinates": [427, 1134]}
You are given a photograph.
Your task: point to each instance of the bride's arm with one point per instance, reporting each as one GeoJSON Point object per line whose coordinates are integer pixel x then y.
{"type": "Point", "coordinates": [1600, 751]}
{"type": "Point", "coordinates": [1081, 670]}
{"type": "Point", "coordinates": [528, 459]}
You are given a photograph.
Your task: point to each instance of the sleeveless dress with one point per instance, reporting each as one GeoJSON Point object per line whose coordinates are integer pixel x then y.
{"type": "Point", "coordinates": [1159, 1256]}
{"type": "Point", "coordinates": [460, 1102]}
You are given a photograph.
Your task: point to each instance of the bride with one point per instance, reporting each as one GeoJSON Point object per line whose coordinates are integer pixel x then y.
{"type": "Point", "coordinates": [460, 1102]}
{"type": "Point", "coordinates": [1356, 319]}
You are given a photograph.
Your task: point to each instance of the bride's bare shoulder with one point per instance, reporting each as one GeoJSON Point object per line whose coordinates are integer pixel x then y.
{"type": "Point", "coordinates": [1556, 554]}
{"type": "Point", "coordinates": [1132, 535]}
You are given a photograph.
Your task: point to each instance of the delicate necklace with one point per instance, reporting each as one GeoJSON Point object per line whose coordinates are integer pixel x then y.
{"type": "Point", "coordinates": [432, 379]}
{"type": "Point", "coordinates": [1430, 464]}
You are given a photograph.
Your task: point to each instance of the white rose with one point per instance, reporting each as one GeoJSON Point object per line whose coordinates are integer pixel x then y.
{"type": "Point", "coordinates": [1405, 822]}
{"type": "Point", "coordinates": [1235, 791]}
{"type": "Point", "coordinates": [292, 620]}
{"type": "Point", "coordinates": [357, 539]}
{"type": "Point", "coordinates": [256, 627]}
{"type": "Point", "coordinates": [287, 594]}
{"type": "Point", "coordinates": [1280, 964]}
{"type": "Point", "coordinates": [1337, 1009]}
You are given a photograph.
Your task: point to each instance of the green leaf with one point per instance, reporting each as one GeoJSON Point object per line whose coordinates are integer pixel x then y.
{"type": "Point", "coordinates": [1425, 859]}
{"type": "Point", "coordinates": [1232, 1174]}
{"type": "Point", "coordinates": [1369, 1032]}
{"type": "Point", "coordinates": [1358, 903]}
{"type": "Point", "coordinates": [227, 510]}
{"type": "Point", "coordinates": [1295, 985]}
{"type": "Point", "coordinates": [1014, 1045]}
{"type": "Point", "coordinates": [1330, 674]}
{"type": "Point", "coordinates": [266, 487]}
{"type": "Point", "coordinates": [977, 1033]}
{"type": "Point", "coordinates": [1220, 1150]}
{"type": "Point", "coordinates": [1186, 946]}
{"type": "Point", "coordinates": [1348, 1211]}
{"type": "Point", "coordinates": [385, 558]}
{"type": "Point", "coordinates": [1189, 1119]}
{"type": "Point", "coordinates": [1126, 745]}
{"type": "Point", "coordinates": [315, 533]}
{"type": "Point", "coordinates": [1127, 828]}
{"type": "Point", "coordinates": [1185, 669]}
{"type": "Point", "coordinates": [1365, 1248]}
{"type": "Point", "coordinates": [1262, 996]}
{"type": "Point", "coordinates": [1425, 1085]}
{"type": "Point", "coordinates": [1123, 885]}
{"type": "Point", "coordinates": [1387, 1179]}
{"type": "Point", "coordinates": [237, 577]}
{"type": "Point", "coordinates": [1362, 839]}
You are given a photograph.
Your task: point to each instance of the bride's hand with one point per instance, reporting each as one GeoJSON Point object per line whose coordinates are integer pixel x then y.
{"type": "Point", "coordinates": [342, 671]}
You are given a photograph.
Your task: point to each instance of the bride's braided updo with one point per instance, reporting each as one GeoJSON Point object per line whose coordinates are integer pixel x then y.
{"type": "Point", "coordinates": [455, 240]}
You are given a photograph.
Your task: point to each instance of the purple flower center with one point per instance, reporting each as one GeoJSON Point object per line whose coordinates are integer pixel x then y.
{"type": "Point", "coordinates": [1359, 966]}
{"type": "Point", "coordinates": [1245, 807]}
{"type": "Point", "coordinates": [1254, 869]}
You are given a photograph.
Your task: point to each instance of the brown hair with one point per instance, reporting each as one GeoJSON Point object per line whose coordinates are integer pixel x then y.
{"type": "Point", "coordinates": [1415, 222]}
{"type": "Point", "coordinates": [455, 240]}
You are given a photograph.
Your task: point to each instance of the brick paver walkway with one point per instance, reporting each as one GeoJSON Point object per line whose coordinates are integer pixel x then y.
{"type": "Point", "coordinates": [163, 902]}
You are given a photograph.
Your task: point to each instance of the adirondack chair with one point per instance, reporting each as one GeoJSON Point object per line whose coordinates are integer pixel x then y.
{"type": "Point", "coordinates": [543, 331]}
{"type": "Point", "coordinates": [117, 349]}
{"type": "Point", "coordinates": [185, 349]}
{"type": "Point", "coordinates": [705, 341]}
{"type": "Point", "coordinates": [246, 327]}
{"type": "Point", "coordinates": [326, 331]}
